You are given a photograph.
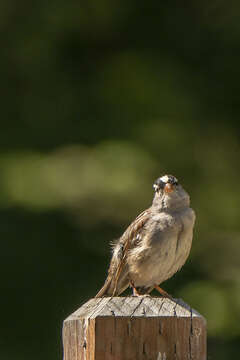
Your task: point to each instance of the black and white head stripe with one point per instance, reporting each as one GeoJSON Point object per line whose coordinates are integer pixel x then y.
{"type": "Point", "coordinates": [162, 181]}
{"type": "Point", "coordinates": [170, 179]}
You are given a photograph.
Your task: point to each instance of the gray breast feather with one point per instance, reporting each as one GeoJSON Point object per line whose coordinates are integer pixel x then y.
{"type": "Point", "coordinates": [164, 248]}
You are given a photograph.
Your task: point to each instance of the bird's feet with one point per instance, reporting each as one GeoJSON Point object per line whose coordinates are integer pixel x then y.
{"type": "Point", "coordinates": [136, 293]}
{"type": "Point", "coordinates": [162, 292]}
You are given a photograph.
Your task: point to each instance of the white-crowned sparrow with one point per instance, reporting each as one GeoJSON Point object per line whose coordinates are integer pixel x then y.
{"type": "Point", "coordinates": [156, 245]}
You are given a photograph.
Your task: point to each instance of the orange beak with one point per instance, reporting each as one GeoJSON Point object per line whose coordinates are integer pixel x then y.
{"type": "Point", "coordinates": [168, 188]}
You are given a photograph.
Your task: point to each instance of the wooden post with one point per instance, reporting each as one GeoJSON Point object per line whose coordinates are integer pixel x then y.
{"type": "Point", "coordinates": [134, 328]}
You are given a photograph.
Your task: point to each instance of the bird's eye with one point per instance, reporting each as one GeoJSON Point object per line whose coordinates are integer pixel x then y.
{"type": "Point", "coordinates": [172, 180]}
{"type": "Point", "coordinates": [159, 184]}
{"type": "Point", "coordinates": [162, 184]}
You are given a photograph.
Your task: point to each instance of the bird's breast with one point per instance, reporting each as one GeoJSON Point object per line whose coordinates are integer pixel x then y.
{"type": "Point", "coordinates": [163, 249]}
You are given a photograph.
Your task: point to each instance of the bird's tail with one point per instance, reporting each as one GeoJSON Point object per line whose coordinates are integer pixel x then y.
{"type": "Point", "coordinates": [105, 290]}
{"type": "Point", "coordinates": [111, 289]}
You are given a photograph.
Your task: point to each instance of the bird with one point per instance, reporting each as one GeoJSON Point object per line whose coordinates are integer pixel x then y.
{"type": "Point", "coordinates": [155, 245]}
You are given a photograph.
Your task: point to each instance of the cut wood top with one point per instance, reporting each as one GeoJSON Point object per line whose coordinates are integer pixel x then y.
{"type": "Point", "coordinates": [134, 306]}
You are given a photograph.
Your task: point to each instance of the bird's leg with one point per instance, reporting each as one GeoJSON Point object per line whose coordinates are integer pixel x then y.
{"type": "Point", "coordinates": [135, 292]}
{"type": "Point", "coordinates": [162, 292]}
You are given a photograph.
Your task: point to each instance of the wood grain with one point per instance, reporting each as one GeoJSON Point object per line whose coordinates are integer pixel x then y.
{"type": "Point", "coordinates": [130, 328]}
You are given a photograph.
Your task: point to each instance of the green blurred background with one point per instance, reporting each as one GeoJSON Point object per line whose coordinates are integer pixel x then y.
{"type": "Point", "coordinates": [97, 100]}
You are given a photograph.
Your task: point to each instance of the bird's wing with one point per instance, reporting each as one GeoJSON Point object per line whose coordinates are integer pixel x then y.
{"type": "Point", "coordinates": [117, 280]}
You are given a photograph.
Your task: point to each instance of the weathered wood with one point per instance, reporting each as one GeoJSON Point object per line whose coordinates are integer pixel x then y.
{"type": "Point", "coordinates": [134, 328]}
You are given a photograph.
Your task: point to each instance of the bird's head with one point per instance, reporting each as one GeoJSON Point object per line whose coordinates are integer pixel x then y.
{"type": "Point", "coordinates": [166, 184]}
{"type": "Point", "coordinates": [169, 193]}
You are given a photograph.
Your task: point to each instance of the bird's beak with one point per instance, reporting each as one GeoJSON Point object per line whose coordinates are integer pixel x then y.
{"type": "Point", "coordinates": [168, 188]}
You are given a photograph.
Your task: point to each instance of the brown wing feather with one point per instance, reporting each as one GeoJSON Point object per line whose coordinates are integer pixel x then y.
{"type": "Point", "coordinates": [118, 260]}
